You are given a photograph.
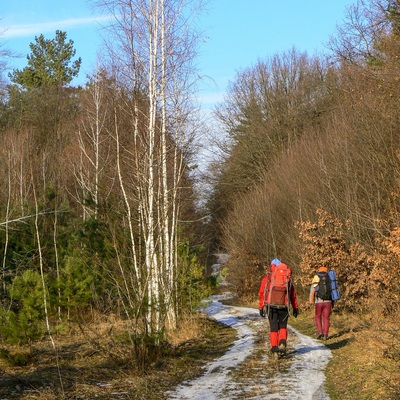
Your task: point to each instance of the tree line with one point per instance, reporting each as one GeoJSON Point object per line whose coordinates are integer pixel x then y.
{"type": "Point", "coordinates": [98, 201]}
{"type": "Point", "coordinates": [309, 171]}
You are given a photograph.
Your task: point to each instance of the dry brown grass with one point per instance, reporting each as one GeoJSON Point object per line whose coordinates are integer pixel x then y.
{"type": "Point", "coordinates": [96, 360]}
{"type": "Point", "coordinates": [360, 368]}
{"type": "Point", "coordinates": [189, 328]}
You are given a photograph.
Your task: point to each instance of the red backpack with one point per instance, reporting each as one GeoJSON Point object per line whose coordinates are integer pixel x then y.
{"type": "Point", "coordinates": [276, 292]}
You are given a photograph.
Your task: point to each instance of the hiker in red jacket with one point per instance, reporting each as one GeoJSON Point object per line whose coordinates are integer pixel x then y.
{"type": "Point", "coordinates": [276, 295]}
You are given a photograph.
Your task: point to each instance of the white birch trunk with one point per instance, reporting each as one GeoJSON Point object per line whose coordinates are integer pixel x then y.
{"type": "Point", "coordinates": [151, 264]}
{"type": "Point", "coordinates": [168, 274]}
{"type": "Point", "coordinates": [128, 208]}
{"type": "Point", "coordinates": [90, 139]}
{"type": "Point", "coordinates": [4, 266]}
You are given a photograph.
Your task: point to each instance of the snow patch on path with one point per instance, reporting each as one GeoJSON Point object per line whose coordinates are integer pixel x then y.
{"type": "Point", "coordinates": [210, 385]}
{"type": "Point", "coordinates": [303, 379]}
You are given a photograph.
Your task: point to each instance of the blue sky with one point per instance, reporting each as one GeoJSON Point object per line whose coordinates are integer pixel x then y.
{"type": "Point", "coordinates": [237, 32]}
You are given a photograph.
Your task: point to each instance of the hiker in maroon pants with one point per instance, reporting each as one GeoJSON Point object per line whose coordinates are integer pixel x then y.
{"type": "Point", "coordinates": [320, 296]}
{"type": "Point", "coordinates": [322, 316]}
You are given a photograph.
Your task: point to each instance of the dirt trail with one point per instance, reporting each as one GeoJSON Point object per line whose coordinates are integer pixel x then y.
{"type": "Point", "coordinates": [247, 372]}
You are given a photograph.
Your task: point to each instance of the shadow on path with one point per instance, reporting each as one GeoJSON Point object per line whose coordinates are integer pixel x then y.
{"type": "Point", "coordinates": [339, 344]}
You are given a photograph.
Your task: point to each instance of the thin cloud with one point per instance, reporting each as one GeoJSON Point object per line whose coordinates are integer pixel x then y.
{"type": "Point", "coordinates": [25, 30]}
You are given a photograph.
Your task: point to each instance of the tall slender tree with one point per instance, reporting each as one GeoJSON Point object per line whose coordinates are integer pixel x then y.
{"type": "Point", "coordinates": [152, 52]}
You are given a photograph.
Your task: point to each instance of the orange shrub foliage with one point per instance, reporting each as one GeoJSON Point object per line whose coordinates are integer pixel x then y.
{"type": "Point", "coordinates": [393, 242]}
{"type": "Point", "coordinates": [367, 278]}
{"type": "Point", "coordinates": [385, 276]}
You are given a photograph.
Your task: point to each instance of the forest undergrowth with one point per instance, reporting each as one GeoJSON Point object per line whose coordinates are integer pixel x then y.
{"type": "Point", "coordinates": [95, 360]}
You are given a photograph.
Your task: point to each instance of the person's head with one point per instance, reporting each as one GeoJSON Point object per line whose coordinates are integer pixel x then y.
{"type": "Point", "coordinates": [274, 263]}
{"type": "Point", "coordinates": [322, 268]}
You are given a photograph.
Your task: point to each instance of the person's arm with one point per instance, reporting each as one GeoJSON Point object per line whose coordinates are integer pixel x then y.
{"type": "Point", "coordinates": [312, 294]}
{"type": "Point", "coordinates": [313, 289]}
{"type": "Point", "coordinates": [261, 292]}
{"type": "Point", "coordinates": [293, 298]}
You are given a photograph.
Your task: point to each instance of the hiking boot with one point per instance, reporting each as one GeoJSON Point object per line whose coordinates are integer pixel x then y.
{"type": "Point", "coordinates": [325, 338]}
{"type": "Point", "coordinates": [275, 355]}
{"type": "Point", "coordinates": [274, 349]}
{"type": "Point", "coordinates": [275, 352]}
{"type": "Point", "coordinates": [282, 347]}
{"type": "Point", "coordinates": [320, 335]}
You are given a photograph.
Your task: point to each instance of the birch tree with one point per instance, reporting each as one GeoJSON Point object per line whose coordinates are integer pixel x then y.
{"type": "Point", "coordinates": [152, 46]}
{"type": "Point", "coordinates": [93, 138]}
